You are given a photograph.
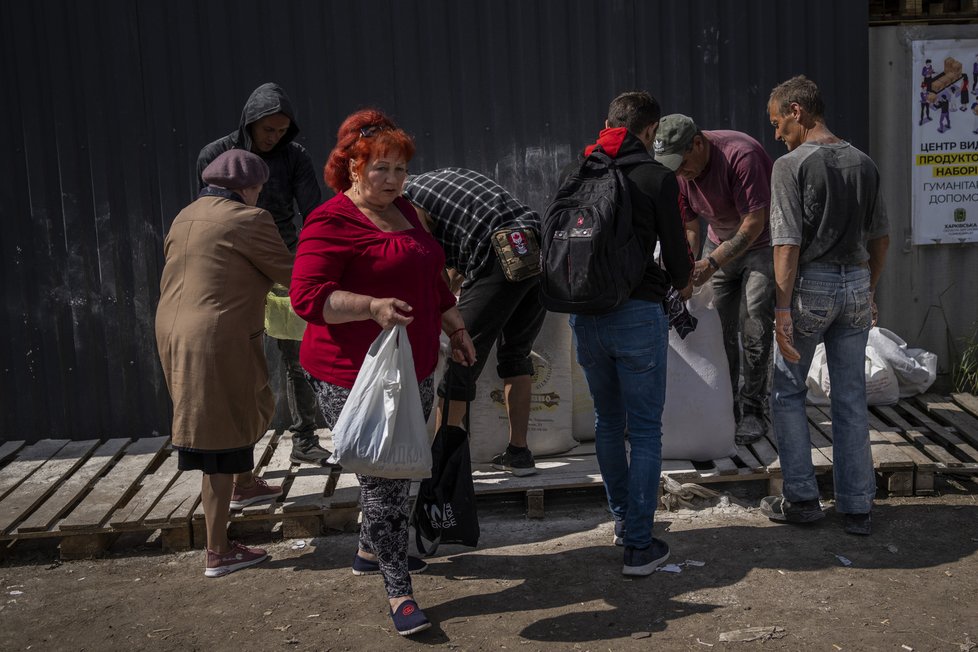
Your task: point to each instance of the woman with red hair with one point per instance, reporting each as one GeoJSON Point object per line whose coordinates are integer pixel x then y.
{"type": "Point", "coordinates": [365, 264]}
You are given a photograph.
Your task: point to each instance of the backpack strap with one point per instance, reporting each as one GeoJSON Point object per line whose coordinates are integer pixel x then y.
{"type": "Point", "coordinates": [633, 159]}
{"type": "Point", "coordinates": [600, 157]}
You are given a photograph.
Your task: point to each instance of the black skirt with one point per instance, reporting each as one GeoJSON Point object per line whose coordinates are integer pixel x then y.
{"type": "Point", "coordinates": [240, 460]}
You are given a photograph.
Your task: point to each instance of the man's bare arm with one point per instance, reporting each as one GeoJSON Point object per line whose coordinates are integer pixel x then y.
{"type": "Point", "coordinates": [785, 271]}
{"type": "Point", "coordinates": [877, 259]}
{"type": "Point", "coordinates": [751, 226]}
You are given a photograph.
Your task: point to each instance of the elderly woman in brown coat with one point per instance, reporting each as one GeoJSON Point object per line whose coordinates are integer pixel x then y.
{"type": "Point", "coordinates": [222, 256]}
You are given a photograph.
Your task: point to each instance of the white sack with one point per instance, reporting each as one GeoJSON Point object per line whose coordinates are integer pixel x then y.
{"type": "Point", "coordinates": [698, 421]}
{"type": "Point", "coordinates": [550, 429]}
{"type": "Point", "coordinates": [582, 418]}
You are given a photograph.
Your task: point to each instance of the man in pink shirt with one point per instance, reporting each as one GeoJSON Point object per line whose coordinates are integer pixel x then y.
{"type": "Point", "coordinates": [725, 181]}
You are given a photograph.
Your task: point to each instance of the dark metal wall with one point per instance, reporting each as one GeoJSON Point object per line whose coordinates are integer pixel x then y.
{"type": "Point", "coordinates": [106, 103]}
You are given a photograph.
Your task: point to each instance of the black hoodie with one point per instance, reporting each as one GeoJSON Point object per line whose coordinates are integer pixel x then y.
{"type": "Point", "coordinates": [654, 192]}
{"type": "Point", "coordinates": [291, 175]}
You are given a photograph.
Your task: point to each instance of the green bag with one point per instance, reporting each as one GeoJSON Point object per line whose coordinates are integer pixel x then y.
{"type": "Point", "coordinates": [281, 322]}
{"type": "Point", "coordinates": [519, 253]}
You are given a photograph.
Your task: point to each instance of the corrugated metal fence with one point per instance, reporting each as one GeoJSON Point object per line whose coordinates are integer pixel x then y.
{"type": "Point", "coordinates": [107, 102]}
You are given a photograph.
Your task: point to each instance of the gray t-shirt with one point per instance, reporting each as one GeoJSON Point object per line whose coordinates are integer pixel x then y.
{"type": "Point", "coordinates": [826, 199]}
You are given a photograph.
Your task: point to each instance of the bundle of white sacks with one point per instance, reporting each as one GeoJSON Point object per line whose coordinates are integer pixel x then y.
{"type": "Point", "coordinates": [893, 370]}
{"type": "Point", "coordinates": [697, 422]}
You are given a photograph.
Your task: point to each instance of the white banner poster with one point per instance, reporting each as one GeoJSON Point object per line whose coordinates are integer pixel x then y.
{"type": "Point", "coordinates": [945, 142]}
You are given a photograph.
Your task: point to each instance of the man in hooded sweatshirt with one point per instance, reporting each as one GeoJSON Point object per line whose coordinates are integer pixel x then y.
{"type": "Point", "coordinates": [268, 129]}
{"type": "Point", "coordinates": [623, 351]}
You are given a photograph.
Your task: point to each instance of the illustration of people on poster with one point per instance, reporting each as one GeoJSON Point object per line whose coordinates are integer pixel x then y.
{"type": "Point", "coordinates": [945, 142]}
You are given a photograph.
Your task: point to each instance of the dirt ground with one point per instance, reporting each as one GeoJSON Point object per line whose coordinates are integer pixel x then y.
{"type": "Point", "coordinates": [551, 584]}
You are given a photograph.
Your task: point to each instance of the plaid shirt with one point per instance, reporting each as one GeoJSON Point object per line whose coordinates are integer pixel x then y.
{"type": "Point", "coordinates": [467, 208]}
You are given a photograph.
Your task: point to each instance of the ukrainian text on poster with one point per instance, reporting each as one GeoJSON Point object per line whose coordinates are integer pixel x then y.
{"type": "Point", "coordinates": [945, 142]}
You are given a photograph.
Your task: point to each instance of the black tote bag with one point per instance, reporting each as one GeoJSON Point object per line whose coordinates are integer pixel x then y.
{"type": "Point", "coordinates": [445, 509]}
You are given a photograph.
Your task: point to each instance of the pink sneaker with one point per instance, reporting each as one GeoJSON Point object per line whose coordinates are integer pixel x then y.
{"type": "Point", "coordinates": [236, 558]}
{"type": "Point", "coordinates": [259, 492]}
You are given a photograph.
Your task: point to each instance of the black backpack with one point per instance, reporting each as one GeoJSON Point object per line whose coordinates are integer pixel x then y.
{"type": "Point", "coordinates": [591, 258]}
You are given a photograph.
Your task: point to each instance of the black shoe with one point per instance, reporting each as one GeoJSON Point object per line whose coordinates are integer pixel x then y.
{"type": "Point", "coordinates": [750, 429]}
{"type": "Point", "coordinates": [518, 461]}
{"type": "Point", "coordinates": [861, 524]}
{"type": "Point", "coordinates": [644, 561]}
{"type": "Point", "coordinates": [409, 619]}
{"type": "Point", "coordinates": [778, 508]}
{"type": "Point", "coordinates": [306, 450]}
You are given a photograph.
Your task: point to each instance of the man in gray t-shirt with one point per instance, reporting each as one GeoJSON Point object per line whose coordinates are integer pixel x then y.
{"type": "Point", "coordinates": [829, 233]}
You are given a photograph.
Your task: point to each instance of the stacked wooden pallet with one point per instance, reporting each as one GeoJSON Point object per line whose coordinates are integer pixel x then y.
{"type": "Point", "coordinates": [911, 442]}
{"type": "Point", "coordinates": [86, 493]}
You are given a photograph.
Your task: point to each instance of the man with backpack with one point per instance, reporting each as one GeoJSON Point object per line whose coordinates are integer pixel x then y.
{"type": "Point", "coordinates": [602, 228]}
{"type": "Point", "coordinates": [725, 179]}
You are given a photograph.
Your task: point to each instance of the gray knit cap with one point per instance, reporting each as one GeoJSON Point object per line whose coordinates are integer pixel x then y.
{"type": "Point", "coordinates": [236, 169]}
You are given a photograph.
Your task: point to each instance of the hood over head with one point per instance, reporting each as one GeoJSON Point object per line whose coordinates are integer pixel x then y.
{"type": "Point", "coordinates": [267, 99]}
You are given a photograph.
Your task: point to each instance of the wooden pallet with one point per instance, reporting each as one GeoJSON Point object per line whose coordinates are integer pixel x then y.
{"type": "Point", "coordinates": [941, 434]}
{"type": "Point", "coordinates": [87, 493]}
{"type": "Point", "coordinates": [910, 443]}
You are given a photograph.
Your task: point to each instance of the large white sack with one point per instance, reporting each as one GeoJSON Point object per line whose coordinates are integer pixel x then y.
{"type": "Point", "coordinates": [550, 429]}
{"type": "Point", "coordinates": [882, 387]}
{"type": "Point", "coordinates": [582, 417]}
{"type": "Point", "coordinates": [698, 421]}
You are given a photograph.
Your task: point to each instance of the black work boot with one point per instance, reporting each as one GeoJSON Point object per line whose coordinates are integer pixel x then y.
{"type": "Point", "coordinates": [306, 450]}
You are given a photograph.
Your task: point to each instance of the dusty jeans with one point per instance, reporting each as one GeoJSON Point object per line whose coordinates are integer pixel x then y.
{"type": "Point", "coordinates": [744, 298]}
{"type": "Point", "coordinates": [831, 303]}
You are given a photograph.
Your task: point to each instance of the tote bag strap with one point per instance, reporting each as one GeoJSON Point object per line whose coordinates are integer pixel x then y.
{"type": "Point", "coordinates": [418, 539]}
{"type": "Point", "coordinates": [448, 402]}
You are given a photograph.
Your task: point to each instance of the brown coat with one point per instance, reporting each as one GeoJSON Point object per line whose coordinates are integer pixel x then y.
{"type": "Point", "coordinates": [221, 259]}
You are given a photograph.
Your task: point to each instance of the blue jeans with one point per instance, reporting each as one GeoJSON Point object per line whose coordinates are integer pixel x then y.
{"type": "Point", "coordinates": [831, 303]}
{"type": "Point", "coordinates": [623, 354]}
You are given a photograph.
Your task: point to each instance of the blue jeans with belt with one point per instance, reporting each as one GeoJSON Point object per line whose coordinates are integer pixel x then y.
{"type": "Point", "coordinates": [830, 303]}
{"type": "Point", "coordinates": [623, 354]}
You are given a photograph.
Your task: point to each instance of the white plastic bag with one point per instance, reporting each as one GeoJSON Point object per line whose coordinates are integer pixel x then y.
{"type": "Point", "coordinates": [381, 430]}
{"type": "Point", "coordinates": [915, 369]}
{"type": "Point", "coordinates": [881, 382]}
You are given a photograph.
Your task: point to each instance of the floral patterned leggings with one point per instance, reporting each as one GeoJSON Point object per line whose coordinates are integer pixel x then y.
{"type": "Point", "coordinates": [383, 501]}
